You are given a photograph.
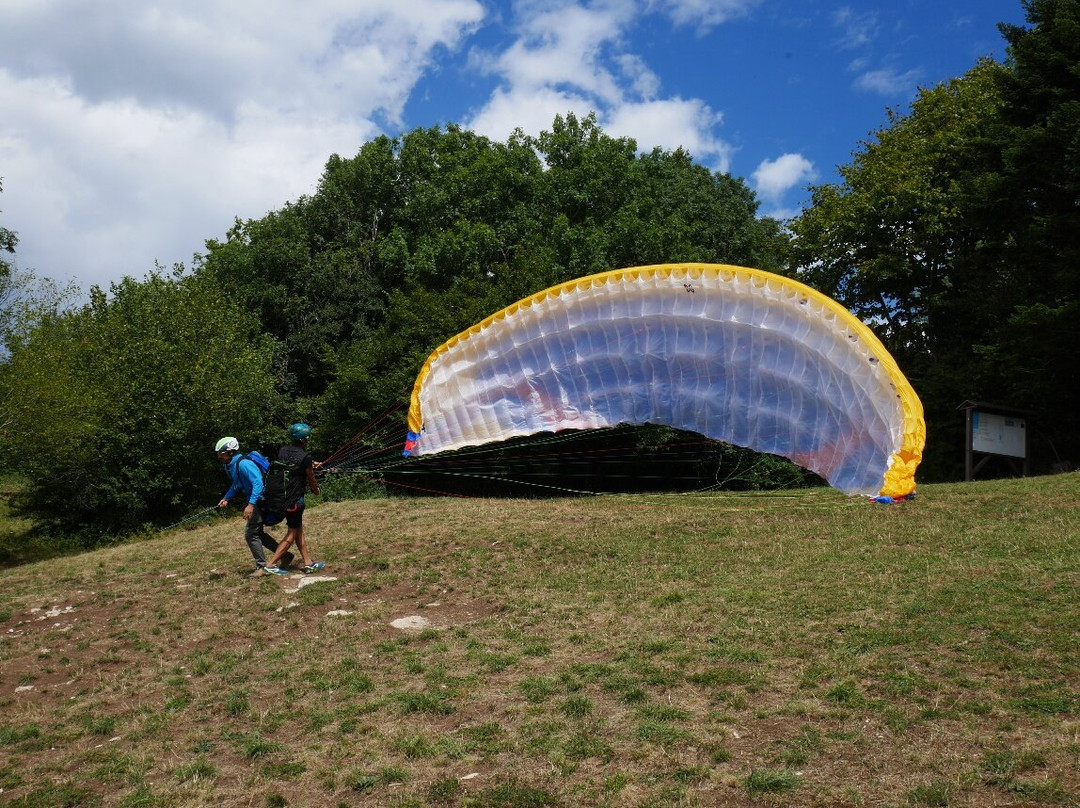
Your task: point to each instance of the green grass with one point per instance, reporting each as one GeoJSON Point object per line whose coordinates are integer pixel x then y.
{"type": "Point", "coordinates": [761, 781]}
{"type": "Point", "coordinates": [19, 542]}
{"type": "Point", "coordinates": [798, 649]}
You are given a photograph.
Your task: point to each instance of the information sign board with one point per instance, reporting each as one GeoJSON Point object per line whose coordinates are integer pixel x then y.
{"type": "Point", "coordinates": [998, 434]}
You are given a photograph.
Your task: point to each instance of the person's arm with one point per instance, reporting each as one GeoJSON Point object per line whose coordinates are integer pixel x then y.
{"type": "Point", "coordinates": [253, 476]}
{"type": "Point", "coordinates": [312, 483]}
{"type": "Point", "coordinates": [224, 503]}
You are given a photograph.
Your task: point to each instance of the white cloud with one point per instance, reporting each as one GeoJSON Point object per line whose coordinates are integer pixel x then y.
{"type": "Point", "coordinates": [571, 58]}
{"type": "Point", "coordinates": [333, 55]}
{"type": "Point", "coordinates": [643, 82]}
{"type": "Point", "coordinates": [773, 178]}
{"type": "Point", "coordinates": [90, 187]}
{"type": "Point", "coordinates": [857, 29]}
{"type": "Point", "coordinates": [706, 14]}
{"type": "Point", "coordinates": [888, 82]}
{"type": "Point", "coordinates": [134, 129]}
{"type": "Point", "coordinates": [670, 124]}
{"type": "Point", "coordinates": [782, 213]}
{"type": "Point", "coordinates": [531, 110]}
{"type": "Point", "coordinates": [562, 45]}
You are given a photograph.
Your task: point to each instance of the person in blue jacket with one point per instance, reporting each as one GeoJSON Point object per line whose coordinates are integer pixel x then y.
{"type": "Point", "coordinates": [246, 479]}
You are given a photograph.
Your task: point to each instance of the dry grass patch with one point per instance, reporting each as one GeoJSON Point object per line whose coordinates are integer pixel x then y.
{"type": "Point", "coordinates": [797, 649]}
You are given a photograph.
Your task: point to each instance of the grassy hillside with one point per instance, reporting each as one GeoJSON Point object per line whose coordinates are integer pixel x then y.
{"type": "Point", "coordinates": [800, 649]}
{"type": "Point", "coordinates": [16, 542]}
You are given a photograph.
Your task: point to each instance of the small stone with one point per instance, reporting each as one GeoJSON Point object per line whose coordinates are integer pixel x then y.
{"type": "Point", "coordinates": [412, 622]}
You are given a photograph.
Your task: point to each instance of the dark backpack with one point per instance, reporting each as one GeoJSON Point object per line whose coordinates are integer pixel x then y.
{"type": "Point", "coordinates": [283, 485]}
{"type": "Point", "coordinates": [278, 482]}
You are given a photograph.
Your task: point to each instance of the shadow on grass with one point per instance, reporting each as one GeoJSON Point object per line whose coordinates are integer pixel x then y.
{"type": "Point", "coordinates": [26, 546]}
{"type": "Point", "coordinates": [21, 541]}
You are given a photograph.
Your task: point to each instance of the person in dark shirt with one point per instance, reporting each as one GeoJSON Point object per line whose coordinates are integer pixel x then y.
{"type": "Point", "coordinates": [301, 480]}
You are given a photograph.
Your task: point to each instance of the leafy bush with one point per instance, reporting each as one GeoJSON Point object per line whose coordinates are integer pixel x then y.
{"type": "Point", "coordinates": [115, 406]}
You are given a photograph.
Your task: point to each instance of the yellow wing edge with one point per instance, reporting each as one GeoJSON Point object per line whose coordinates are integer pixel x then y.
{"type": "Point", "coordinates": [899, 479]}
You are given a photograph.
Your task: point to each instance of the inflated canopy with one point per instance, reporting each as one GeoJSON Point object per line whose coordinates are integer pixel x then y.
{"type": "Point", "coordinates": [739, 355]}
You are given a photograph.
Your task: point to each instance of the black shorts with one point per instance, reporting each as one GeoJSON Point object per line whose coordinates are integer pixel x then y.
{"type": "Point", "coordinates": [294, 517]}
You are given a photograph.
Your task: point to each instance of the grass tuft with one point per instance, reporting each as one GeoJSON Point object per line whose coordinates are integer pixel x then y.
{"type": "Point", "coordinates": [768, 781]}
{"type": "Point", "coordinates": [637, 650]}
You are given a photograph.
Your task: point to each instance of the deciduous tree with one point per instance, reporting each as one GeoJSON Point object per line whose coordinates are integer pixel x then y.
{"type": "Point", "coordinates": [955, 232]}
{"type": "Point", "coordinates": [116, 404]}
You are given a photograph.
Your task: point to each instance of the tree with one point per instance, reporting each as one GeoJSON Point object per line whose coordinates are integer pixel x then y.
{"type": "Point", "coordinates": [431, 209]}
{"type": "Point", "coordinates": [605, 207]}
{"type": "Point", "coordinates": [116, 404]}
{"type": "Point", "coordinates": [1039, 190]}
{"type": "Point", "coordinates": [1041, 121]}
{"type": "Point", "coordinates": [955, 231]}
{"type": "Point", "coordinates": [24, 301]}
{"type": "Point", "coordinates": [8, 241]}
{"type": "Point", "coordinates": [475, 226]}
{"type": "Point", "coordinates": [903, 243]}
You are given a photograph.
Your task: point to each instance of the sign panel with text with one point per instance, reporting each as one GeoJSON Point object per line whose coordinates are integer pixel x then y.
{"type": "Point", "coordinates": [998, 434]}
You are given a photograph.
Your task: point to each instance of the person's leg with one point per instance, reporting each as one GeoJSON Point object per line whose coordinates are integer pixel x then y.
{"type": "Point", "coordinates": [301, 540]}
{"type": "Point", "coordinates": [254, 536]}
{"type": "Point", "coordinates": [269, 542]}
{"type": "Point", "coordinates": [309, 565]}
{"type": "Point", "coordinates": [282, 548]}
{"type": "Point", "coordinates": [292, 522]}
{"type": "Point", "coordinates": [301, 543]}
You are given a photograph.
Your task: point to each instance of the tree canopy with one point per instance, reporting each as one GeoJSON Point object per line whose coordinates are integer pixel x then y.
{"type": "Point", "coordinates": [955, 232]}
{"type": "Point", "coordinates": [115, 405]}
{"type": "Point", "coordinates": [416, 238]}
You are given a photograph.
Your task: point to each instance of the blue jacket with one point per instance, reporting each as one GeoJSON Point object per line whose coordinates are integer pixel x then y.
{"type": "Point", "coordinates": [245, 477]}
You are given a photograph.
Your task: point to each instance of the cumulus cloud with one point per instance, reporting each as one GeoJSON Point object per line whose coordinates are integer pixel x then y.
{"type": "Point", "coordinates": [329, 55]}
{"type": "Point", "coordinates": [531, 110]}
{"type": "Point", "coordinates": [773, 178]}
{"type": "Point", "coordinates": [562, 45]}
{"type": "Point", "coordinates": [671, 124]}
{"type": "Point", "coordinates": [572, 58]}
{"type": "Point", "coordinates": [135, 129]}
{"type": "Point", "coordinates": [642, 81]}
{"type": "Point", "coordinates": [130, 123]}
{"type": "Point", "coordinates": [94, 183]}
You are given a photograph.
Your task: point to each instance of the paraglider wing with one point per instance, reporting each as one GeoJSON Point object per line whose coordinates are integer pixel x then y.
{"type": "Point", "coordinates": [739, 355]}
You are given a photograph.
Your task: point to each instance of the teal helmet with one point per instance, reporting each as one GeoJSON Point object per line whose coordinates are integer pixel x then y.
{"type": "Point", "coordinates": [299, 431]}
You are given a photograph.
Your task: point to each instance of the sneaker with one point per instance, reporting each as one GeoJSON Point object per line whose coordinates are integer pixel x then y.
{"type": "Point", "coordinates": [276, 571]}
{"type": "Point", "coordinates": [287, 560]}
{"type": "Point", "coordinates": [315, 566]}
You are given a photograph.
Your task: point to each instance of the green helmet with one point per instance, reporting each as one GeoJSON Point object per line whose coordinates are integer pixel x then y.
{"type": "Point", "coordinates": [227, 445]}
{"type": "Point", "coordinates": [299, 431]}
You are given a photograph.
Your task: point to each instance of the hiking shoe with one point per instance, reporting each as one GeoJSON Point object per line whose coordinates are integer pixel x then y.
{"type": "Point", "coordinates": [260, 572]}
{"type": "Point", "coordinates": [287, 560]}
{"type": "Point", "coordinates": [315, 566]}
{"type": "Point", "coordinates": [276, 571]}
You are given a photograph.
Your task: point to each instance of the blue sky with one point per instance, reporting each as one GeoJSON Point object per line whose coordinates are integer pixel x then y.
{"type": "Point", "coordinates": [134, 130]}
